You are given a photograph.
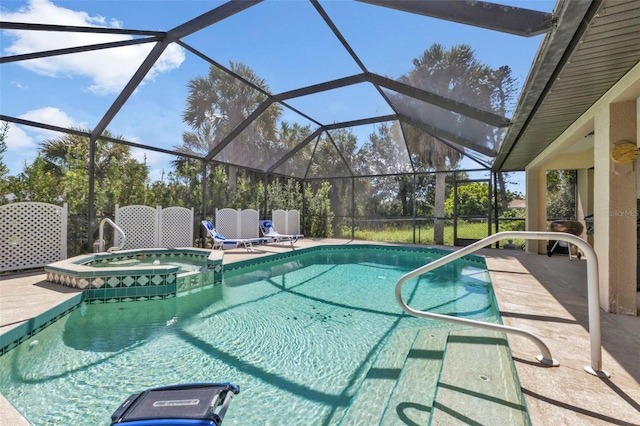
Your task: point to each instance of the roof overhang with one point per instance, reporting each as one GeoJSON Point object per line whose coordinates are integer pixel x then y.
{"type": "Point", "coordinates": [595, 44]}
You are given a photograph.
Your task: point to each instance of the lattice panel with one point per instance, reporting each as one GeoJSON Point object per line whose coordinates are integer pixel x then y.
{"type": "Point", "coordinates": [249, 223]}
{"type": "Point", "coordinates": [32, 235]}
{"type": "Point", "coordinates": [279, 220]}
{"type": "Point", "coordinates": [293, 222]}
{"type": "Point", "coordinates": [140, 226]}
{"type": "Point", "coordinates": [286, 221]}
{"type": "Point", "coordinates": [227, 223]}
{"type": "Point", "coordinates": [176, 227]}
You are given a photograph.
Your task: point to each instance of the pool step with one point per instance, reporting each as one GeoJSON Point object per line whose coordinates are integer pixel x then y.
{"type": "Point", "coordinates": [388, 394]}
{"type": "Point", "coordinates": [368, 404]}
{"type": "Point", "coordinates": [411, 400]}
{"type": "Point", "coordinates": [478, 383]}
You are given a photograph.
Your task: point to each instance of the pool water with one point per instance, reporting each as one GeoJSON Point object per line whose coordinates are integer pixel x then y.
{"type": "Point", "coordinates": [312, 339]}
{"type": "Point", "coordinates": [185, 263]}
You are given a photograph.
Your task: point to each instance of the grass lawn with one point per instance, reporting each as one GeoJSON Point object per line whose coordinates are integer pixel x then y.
{"type": "Point", "coordinates": [424, 234]}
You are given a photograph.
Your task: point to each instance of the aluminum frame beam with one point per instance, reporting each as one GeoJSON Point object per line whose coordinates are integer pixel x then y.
{"type": "Point", "coordinates": [242, 79]}
{"type": "Point", "coordinates": [209, 18]}
{"type": "Point", "coordinates": [322, 87]}
{"type": "Point", "coordinates": [295, 150]}
{"type": "Point", "coordinates": [361, 122]}
{"type": "Point", "coordinates": [446, 136]}
{"type": "Point", "coordinates": [239, 128]}
{"type": "Point", "coordinates": [487, 117]}
{"type": "Point", "coordinates": [77, 49]}
{"type": "Point", "coordinates": [183, 30]}
{"type": "Point", "coordinates": [344, 160]}
{"type": "Point", "coordinates": [469, 155]}
{"type": "Point", "coordinates": [348, 48]}
{"type": "Point", "coordinates": [4, 25]}
{"type": "Point", "coordinates": [322, 129]}
{"type": "Point", "coordinates": [323, 14]}
{"type": "Point", "coordinates": [490, 118]}
{"type": "Point", "coordinates": [492, 16]}
{"type": "Point", "coordinates": [77, 132]}
{"type": "Point", "coordinates": [38, 125]}
{"type": "Point", "coordinates": [417, 173]}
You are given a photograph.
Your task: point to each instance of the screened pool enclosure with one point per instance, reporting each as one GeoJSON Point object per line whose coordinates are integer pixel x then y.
{"type": "Point", "coordinates": [392, 113]}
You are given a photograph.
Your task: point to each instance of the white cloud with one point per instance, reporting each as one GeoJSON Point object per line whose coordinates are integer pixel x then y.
{"type": "Point", "coordinates": [24, 139]}
{"type": "Point", "coordinates": [108, 69]}
{"type": "Point", "coordinates": [19, 85]}
{"type": "Point", "coordinates": [18, 139]}
{"type": "Point", "coordinates": [50, 115]}
{"type": "Point", "coordinates": [21, 148]}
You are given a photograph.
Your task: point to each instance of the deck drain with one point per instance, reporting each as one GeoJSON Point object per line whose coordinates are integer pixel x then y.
{"type": "Point", "coordinates": [485, 378]}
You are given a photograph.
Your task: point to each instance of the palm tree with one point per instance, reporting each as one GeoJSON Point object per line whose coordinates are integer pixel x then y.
{"type": "Point", "coordinates": [428, 153]}
{"type": "Point", "coordinates": [62, 152]}
{"type": "Point", "coordinates": [119, 178]}
{"type": "Point", "coordinates": [503, 98]}
{"type": "Point", "coordinates": [216, 104]}
{"type": "Point", "coordinates": [457, 75]}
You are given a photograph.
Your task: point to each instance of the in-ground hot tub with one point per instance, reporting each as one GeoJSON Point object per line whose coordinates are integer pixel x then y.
{"type": "Point", "coordinates": [140, 274]}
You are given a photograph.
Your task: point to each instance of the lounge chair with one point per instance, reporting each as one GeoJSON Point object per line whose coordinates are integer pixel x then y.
{"type": "Point", "coordinates": [221, 242]}
{"type": "Point", "coordinates": [269, 231]}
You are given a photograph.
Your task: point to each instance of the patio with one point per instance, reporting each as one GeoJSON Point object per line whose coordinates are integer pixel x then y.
{"type": "Point", "coordinates": [546, 296]}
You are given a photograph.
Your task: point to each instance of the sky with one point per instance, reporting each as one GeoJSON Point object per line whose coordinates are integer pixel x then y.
{"type": "Point", "coordinates": [285, 42]}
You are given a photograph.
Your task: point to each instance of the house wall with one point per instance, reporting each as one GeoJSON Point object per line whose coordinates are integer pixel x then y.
{"type": "Point", "coordinates": [610, 191]}
{"type": "Point", "coordinates": [615, 213]}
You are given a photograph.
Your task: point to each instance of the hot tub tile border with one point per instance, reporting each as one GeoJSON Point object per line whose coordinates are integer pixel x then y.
{"type": "Point", "coordinates": [143, 283]}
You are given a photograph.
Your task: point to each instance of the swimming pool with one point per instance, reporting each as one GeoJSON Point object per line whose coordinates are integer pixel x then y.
{"type": "Point", "coordinates": [315, 337]}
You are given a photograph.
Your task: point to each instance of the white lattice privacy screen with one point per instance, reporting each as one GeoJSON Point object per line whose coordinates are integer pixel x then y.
{"type": "Point", "coordinates": [249, 223]}
{"type": "Point", "coordinates": [176, 227]}
{"type": "Point", "coordinates": [286, 221]}
{"type": "Point", "coordinates": [148, 227]}
{"type": "Point", "coordinates": [228, 223]}
{"type": "Point", "coordinates": [32, 235]}
{"type": "Point", "coordinates": [236, 224]}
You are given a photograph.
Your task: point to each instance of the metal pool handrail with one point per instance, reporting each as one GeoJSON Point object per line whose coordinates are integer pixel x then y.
{"type": "Point", "coordinates": [592, 283]}
{"type": "Point", "coordinates": [117, 229]}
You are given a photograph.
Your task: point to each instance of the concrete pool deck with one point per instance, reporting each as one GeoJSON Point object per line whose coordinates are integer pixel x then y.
{"type": "Point", "coordinates": [546, 296]}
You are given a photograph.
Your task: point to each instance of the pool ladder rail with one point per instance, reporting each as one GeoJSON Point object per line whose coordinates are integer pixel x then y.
{"type": "Point", "coordinates": [116, 228]}
{"type": "Point", "coordinates": [545, 358]}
